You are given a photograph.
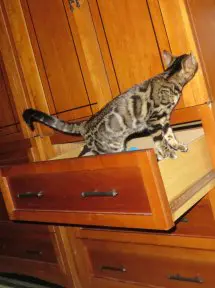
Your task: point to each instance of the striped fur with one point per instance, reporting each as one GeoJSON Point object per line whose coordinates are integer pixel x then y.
{"type": "Point", "coordinates": [144, 106]}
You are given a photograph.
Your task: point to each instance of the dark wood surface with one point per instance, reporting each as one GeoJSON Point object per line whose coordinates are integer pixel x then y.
{"type": "Point", "coordinates": [134, 175]}
{"type": "Point", "coordinates": [63, 191]}
{"type": "Point", "coordinates": [198, 222]}
{"type": "Point", "coordinates": [3, 211]}
{"type": "Point", "coordinates": [26, 241]}
{"type": "Point", "coordinates": [150, 265]}
{"type": "Point", "coordinates": [45, 271]}
{"type": "Point", "coordinates": [60, 70]}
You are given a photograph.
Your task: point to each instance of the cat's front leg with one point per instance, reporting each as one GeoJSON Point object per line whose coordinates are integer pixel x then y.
{"type": "Point", "coordinates": [162, 149]}
{"type": "Point", "coordinates": [171, 140]}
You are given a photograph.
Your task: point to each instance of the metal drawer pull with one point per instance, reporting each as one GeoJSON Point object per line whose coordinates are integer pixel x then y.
{"type": "Point", "coordinates": [178, 277]}
{"type": "Point", "coordinates": [111, 268]}
{"type": "Point", "coordinates": [30, 195]}
{"type": "Point", "coordinates": [112, 193]}
{"type": "Point", "coordinates": [34, 252]}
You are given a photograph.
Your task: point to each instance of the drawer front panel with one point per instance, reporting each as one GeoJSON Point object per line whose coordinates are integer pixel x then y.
{"type": "Point", "coordinates": [109, 190]}
{"type": "Point", "coordinates": [26, 241]}
{"type": "Point", "coordinates": [28, 248]}
{"type": "Point", "coordinates": [151, 265]}
{"type": "Point", "coordinates": [199, 221]}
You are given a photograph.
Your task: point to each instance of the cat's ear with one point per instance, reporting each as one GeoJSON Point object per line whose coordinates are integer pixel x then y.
{"type": "Point", "coordinates": [167, 58]}
{"type": "Point", "coordinates": [190, 62]}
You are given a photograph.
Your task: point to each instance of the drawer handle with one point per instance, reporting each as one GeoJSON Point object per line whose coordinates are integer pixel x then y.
{"type": "Point", "coordinates": [30, 195]}
{"type": "Point", "coordinates": [112, 193]}
{"type": "Point", "coordinates": [178, 277]}
{"type": "Point", "coordinates": [34, 252]}
{"type": "Point", "coordinates": [111, 268]}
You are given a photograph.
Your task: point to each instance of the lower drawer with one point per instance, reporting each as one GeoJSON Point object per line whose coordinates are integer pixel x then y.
{"type": "Point", "coordinates": [49, 272]}
{"type": "Point", "coordinates": [26, 242]}
{"type": "Point", "coordinates": [151, 265]}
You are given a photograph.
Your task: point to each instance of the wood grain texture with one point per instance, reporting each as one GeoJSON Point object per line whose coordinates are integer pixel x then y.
{"type": "Point", "coordinates": [142, 237]}
{"type": "Point", "coordinates": [73, 184]}
{"type": "Point", "coordinates": [45, 271]}
{"type": "Point", "coordinates": [160, 218]}
{"type": "Point", "coordinates": [161, 35]}
{"type": "Point", "coordinates": [58, 54]}
{"type": "Point", "coordinates": [69, 252]}
{"type": "Point", "coordinates": [103, 43]}
{"type": "Point", "coordinates": [107, 173]}
{"type": "Point", "coordinates": [42, 149]}
{"type": "Point", "coordinates": [175, 12]}
{"type": "Point", "coordinates": [8, 118]}
{"type": "Point", "coordinates": [30, 245]}
{"type": "Point", "coordinates": [38, 56]}
{"type": "Point", "coordinates": [133, 47]}
{"type": "Point", "coordinates": [12, 68]}
{"type": "Point", "coordinates": [143, 262]}
{"type": "Point", "coordinates": [29, 70]}
{"type": "Point", "coordinates": [198, 222]}
{"type": "Point", "coordinates": [207, 113]}
{"type": "Point", "coordinates": [107, 283]}
{"type": "Point", "coordinates": [89, 55]}
{"type": "Point", "coordinates": [202, 15]}
{"type": "Point", "coordinates": [6, 196]}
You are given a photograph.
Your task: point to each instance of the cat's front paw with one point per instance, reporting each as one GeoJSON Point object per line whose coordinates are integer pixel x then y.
{"type": "Point", "coordinates": [163, 152]}
{"type": "Point", "coordinates": [180, 147]}
{"type": "Point", "coordinates": [183, 147]}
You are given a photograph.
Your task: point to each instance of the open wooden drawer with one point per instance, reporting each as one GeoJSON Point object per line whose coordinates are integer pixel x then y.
{"type": "Point", "coordinates": [129, 189]}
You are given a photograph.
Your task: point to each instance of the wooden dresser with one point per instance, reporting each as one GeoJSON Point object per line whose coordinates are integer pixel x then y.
{"type": "Point", "coordinates": [121, 220]}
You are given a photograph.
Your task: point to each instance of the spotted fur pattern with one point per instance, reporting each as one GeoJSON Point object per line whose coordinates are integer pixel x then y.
{"type": "Point", "coordinates": [144, 106]}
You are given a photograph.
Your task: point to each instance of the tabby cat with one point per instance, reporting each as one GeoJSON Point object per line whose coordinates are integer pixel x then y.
{"type": "Point", "coordinates": [144, 106]}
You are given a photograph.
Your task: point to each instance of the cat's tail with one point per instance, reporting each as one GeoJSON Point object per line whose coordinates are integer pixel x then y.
{"type": "Point", "coordinates": [31, 115]}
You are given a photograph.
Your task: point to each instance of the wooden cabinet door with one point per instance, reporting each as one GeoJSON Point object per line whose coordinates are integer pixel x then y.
{"type": "Point", "coordinates": [131, 40]}
{"type": "Point", "coordinates": [8, 116]}
{"type": "Point", "coordinates": [59, 64]}
{"type": "Point", "coordinates": [136, 32]}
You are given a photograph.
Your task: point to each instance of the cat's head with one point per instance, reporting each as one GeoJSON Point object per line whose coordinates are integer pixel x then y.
{"type": "Point", "coordinates": [183, 66]}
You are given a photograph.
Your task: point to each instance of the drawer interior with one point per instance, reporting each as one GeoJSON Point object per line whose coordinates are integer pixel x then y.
{"type": "Point", "coordinates": [189, 177]}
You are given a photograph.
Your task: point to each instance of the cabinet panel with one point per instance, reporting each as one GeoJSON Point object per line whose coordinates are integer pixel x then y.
{"type": "Point", "coordinates": [3, 211]}
{"type": "Point", "coordinates": [203, 12]}
{"type": "Point", "coordinates": [199, 221]}
{"type": "Point", "coordinates": [131, 39]}
{"type": "Point", "coordinates": [58, 53]}
{"type": "Point", "coordinates": [8, 117]}
{"type": "Point", "coordinates": [178, 23]}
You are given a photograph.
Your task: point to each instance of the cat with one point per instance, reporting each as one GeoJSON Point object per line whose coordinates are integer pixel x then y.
{"type": "Point", "coordinates": [144, 106]}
